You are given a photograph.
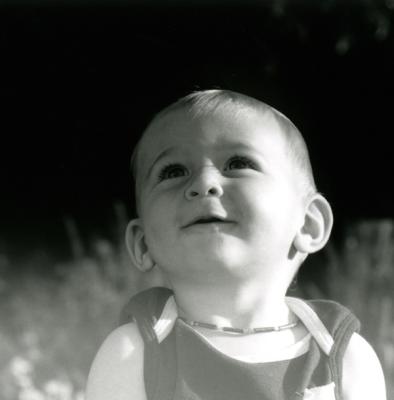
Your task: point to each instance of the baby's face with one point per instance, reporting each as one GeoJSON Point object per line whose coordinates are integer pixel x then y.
{"type": "Point", "coordinates": [217, 192]}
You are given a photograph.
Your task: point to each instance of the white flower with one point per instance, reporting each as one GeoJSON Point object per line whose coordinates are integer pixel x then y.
{"type": "Point", "coordinates": [31, 393]}
{"type": "Point", "coordinates": [21, 370]}
{"type": "Point", "coordinates": [20, 366]}
{"type": "Point", "coordinates": [58, 390]}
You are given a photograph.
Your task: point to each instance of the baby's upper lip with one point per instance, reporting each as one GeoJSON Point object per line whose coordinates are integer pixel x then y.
{"type": "Point", "coordinates": [207, 218]}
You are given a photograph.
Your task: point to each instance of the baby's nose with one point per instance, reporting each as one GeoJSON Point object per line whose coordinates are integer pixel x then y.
{"type": "Point", "coordinates": [204, 184]}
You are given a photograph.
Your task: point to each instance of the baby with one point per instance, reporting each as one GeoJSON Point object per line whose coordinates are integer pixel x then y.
{"type": "Point", "coordinates": [227, 212]}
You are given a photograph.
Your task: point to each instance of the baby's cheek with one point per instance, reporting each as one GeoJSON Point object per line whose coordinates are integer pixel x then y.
{"type": "Point", "coordinates": [155, 248]}
{"type": "Point", "coordinates": [154, 236]}
{"type": "Point", "coordinates": [159, 238]}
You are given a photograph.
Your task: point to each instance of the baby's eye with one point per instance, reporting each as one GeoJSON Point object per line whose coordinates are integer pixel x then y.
{"type": "Point", "coordinates": [172, 171]}
{"type": "Point", "coordinates": [240, 162]}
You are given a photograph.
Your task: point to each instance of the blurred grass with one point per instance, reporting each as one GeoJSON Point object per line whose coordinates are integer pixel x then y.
{"type": "Point", "coordinates": [51, 327]}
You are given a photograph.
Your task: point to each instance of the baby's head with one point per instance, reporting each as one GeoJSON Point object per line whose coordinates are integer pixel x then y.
{"type": "Point", "coordinates": [224, 180]}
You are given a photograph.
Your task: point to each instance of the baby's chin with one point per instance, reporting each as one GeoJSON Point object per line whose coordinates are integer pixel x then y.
{"type": "Point", "coordinates": [211, 264]}
{"type": "Point", "coordinates": [215, 248]}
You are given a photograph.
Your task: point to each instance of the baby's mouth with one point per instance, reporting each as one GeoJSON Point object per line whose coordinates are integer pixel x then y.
{"type": "Point", "coordinates": [207, 220]}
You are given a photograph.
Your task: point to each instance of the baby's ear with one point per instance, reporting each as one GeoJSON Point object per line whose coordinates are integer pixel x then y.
{"type": "Point", "coordinates": [136, 246]}
{"type": "Point", "coordinates": [316, 229]}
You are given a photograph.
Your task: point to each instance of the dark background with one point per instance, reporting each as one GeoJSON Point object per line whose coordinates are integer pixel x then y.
{"type": "Point", "coordinates": [79, 81]}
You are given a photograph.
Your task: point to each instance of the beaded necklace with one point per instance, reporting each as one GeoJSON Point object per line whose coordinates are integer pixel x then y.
{"type": "Point", "coordinates": [242, 331]}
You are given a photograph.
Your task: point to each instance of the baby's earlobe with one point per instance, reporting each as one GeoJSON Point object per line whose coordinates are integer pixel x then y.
{"type": "Point", "coordinates": [147, 263]}
{"type": "Point", "coordinates": [301, 243]}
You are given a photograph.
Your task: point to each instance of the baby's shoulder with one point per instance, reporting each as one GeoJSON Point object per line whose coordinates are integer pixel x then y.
{"type": "Point", "coordinates": [124, 342]}
{"type": "Point", "coordinates": [362, 373]}
{"type": "Point", "coordinates": [117, 370]}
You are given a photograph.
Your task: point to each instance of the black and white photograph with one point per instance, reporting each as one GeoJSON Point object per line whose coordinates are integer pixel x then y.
{"type": "Point", "coordinates": [196, 199]}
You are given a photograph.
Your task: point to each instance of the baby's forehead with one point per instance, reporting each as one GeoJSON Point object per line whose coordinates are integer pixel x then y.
{"type": "Point", "coordinates": [178, 124]}
{"type": "Point", "coordinates": [232, 128]}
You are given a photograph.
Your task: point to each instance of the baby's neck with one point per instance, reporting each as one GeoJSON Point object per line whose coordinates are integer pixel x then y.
{"type": "Point", "coordinates": [240, 306]}
{"type": "Point", "coordinates": [243, 306]}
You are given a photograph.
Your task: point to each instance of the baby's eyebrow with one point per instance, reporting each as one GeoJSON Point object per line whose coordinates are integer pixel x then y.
{"type": "Point", "coordinates": [239, 147]}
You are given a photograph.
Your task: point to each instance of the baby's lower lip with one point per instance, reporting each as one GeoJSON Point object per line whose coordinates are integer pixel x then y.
{"type": "Point", "coordinates": [212, 222]}
{"type": "Point", "coordinates": [208, 224]}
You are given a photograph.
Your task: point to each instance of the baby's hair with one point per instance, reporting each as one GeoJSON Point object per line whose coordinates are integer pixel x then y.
{"type": "Point", "coordinates": [206, 102]}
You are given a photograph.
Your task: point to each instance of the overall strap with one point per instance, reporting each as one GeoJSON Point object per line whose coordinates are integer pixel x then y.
{"type": "Point", "coordinates": [342, 329]}
{"type": "Point", "coordinates": [332, 325]}
{"type": "Point", "coordinates": [146, 309]}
